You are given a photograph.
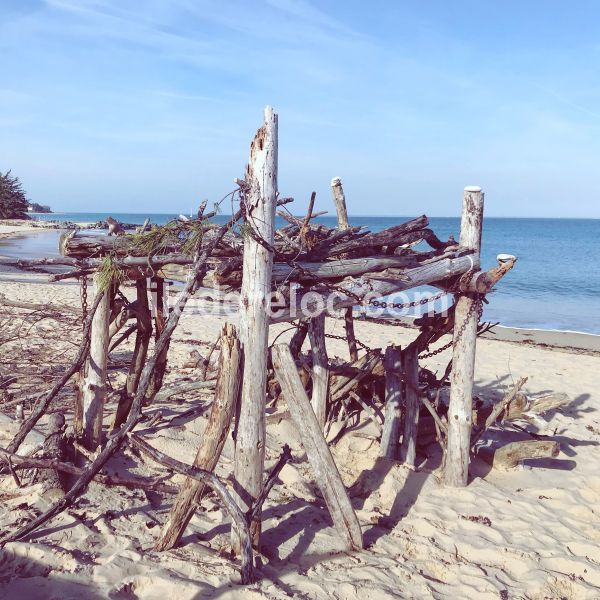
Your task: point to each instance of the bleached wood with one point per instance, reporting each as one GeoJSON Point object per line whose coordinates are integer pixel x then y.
{"type": "Point", "coordinates": [93, 390]}
{"type": "Point", "coordinates": [261, 200]}
{"type": "Point", "coordinates": [340, 203]}
{"type": "Point", "coordinates": [463, 357]}
{"type": "Point", "coordinates": [310, 303]}
{"type": "Point", "coordinates": [213, 439]}
{"type": "Point", "coordinates": [390, 437]}
{"type": "Point", "coordinates": [140, 352]}
{"type": "Point", "coordinates": [510, 455]}
{"type": "Point", "coordinates": [320, 370]}
{"type": "Point", "coordinates": [326, 474]}
{"type": "Point", "coordinates": [408, 448]}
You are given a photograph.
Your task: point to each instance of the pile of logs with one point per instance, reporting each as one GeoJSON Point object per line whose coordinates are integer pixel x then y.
{"type": "Point", "coordinates": [306, 263]}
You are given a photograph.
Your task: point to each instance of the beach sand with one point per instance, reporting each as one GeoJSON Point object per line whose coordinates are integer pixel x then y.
{"type": "Point", "coordinates": [531, 532]}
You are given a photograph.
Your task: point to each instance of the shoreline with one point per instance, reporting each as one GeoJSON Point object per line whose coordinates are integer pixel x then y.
{"type": "Point", "coordinates": [575, 342]}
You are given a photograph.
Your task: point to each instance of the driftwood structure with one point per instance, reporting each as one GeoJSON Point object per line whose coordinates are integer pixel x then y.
{"type": "Point", "coordinates": [303, 272]}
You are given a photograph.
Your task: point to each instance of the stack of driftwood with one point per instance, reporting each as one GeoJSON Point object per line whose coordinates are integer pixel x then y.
{"type": "Point", "coordinates": [309, 271]}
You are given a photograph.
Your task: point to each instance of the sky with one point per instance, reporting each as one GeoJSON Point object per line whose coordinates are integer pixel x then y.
{"type": "Point", "coordinates": [150, 106]}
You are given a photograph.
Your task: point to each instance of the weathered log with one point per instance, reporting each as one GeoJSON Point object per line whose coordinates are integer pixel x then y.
{"type": "Point", "coordinates": [43, 308]}
{"type": "Point", "coordinates": [339, 200]}
{"type": "Point", "coordinates": [53, 449]}
{"type": "Point", "coordinates": [215, 434]}
{"type": "Point", "coordinates": [390, 437]}
{"type": "Point", "coordinates": [410, 362]}
{"type": "Point", "coordinates": [340, 203]}
{"type": "Point", "coordinates": [95, 246]}
{"type": "Point", "coordinates": [93, 389]}
{"type": "Point", "coordinates": [184, 388]}
{"type": "Point", "coordinates": [160, 321]}
{"type": "Point", "coordinates": [298, 338]}
{"type": "Point", "coordinates": [510, 455]}
{"type": "Point", "coordinates": [229, 272]}
{"type": "Point", "coordinates": [27, 462]}
{"type": "Point", "coordinates": [310, 303]}
{"type": "Point", "coordinates": [320, 370]}
{"type": "Point", "coordinates": [466, 319]}
{"type": "Point", "coordinates": [482, 282]}
{"type": "Point", "coordinates": [326, 474]}
{"type": "Point", "coordinates": [259, 206]}
{"type": "Point", "coordinates": [390, 238]}
{"type": "Point", "coordinates": [368, 365]}
{"type": "Point", "coordinates": [286, 455]}
{"type": "Point", "coordinates": [140, 352]}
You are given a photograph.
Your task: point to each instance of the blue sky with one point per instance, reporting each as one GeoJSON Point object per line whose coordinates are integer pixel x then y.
{"type": "Point", "coordinates": [149, 106]}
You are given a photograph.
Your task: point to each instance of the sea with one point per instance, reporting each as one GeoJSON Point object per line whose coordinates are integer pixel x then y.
{"type": "Point", "coordinates": [555, 284]}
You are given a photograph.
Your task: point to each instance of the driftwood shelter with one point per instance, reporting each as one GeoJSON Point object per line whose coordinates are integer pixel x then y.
{"type": "Point", "coordinates": [304, 273]}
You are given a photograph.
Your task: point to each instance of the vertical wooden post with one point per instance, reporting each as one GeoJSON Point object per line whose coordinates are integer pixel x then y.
{"type": "Point", "coordinates": [160, 320]}
{"type": "Point", "coordinates": [260, 202]}
{"type": "Point", "coordinates": [410, 361]}
{"type": "Point", "coordinates": [298, 338]}
{"type": "Point", "coordinates": [339, 200]}
{"type": "Point", "coordinates": [215, 434]}
{"type": "Point", "coordinates": [349, 322]}
{"type": "Point", "coordinates": [463, 358]}
{"type": "Point", "coordinates": [326, 474]}
{"type": "Point", "coordinates": [390, 436]}
{"type": "Point", "coordinates": [320, 370]}
{"type": "Point", "coordinates": [340, 203]}
{"type": "Point", "coordinates": [140, 352]}
{"type": "Point", "coordinates": [94, 383]}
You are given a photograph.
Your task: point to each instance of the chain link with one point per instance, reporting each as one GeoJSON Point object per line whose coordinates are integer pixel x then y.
{"type": "Point", "coordinates": [84, 299]}
{"type": "Point", "coordinates": [343, 338]}
{"type": "Point", "coordinates": [477, 305]}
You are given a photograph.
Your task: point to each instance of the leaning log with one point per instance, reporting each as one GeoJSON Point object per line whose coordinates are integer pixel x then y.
{"type": "Point", "coordinates": [326, 474]}
{"type": "Point", "coordinates": [215, 434]}
{"type": "Point", "coordinates": [210, 479]}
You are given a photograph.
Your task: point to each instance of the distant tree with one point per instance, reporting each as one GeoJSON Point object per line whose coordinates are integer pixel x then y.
{"type": "Point", "coordinates": [13, 202]}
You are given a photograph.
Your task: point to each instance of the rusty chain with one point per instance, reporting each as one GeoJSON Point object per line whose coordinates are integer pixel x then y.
{"type": "Point", "coordinates": [83, 290]}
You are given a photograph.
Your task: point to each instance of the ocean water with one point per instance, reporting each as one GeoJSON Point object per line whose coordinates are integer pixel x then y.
{"type": "Point", "coordinates": [554, 285]}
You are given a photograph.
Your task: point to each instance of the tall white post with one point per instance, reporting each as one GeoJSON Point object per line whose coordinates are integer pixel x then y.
{"type": "Point", "coordinates": [261, 200]}
{"type": "Point", "coordinates": [466, 318]}
{"type": "Point", "coordinates": [94, 383]}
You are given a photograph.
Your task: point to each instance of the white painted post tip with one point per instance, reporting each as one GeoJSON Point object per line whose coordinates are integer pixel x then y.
{"type": "Point", "coordinates": [336, 181]}
{"type": "Point", "coordinates": [472, 188]}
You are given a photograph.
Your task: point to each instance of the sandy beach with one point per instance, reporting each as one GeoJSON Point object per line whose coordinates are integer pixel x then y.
{"type": "Point", "coordinates": [529, 532]}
